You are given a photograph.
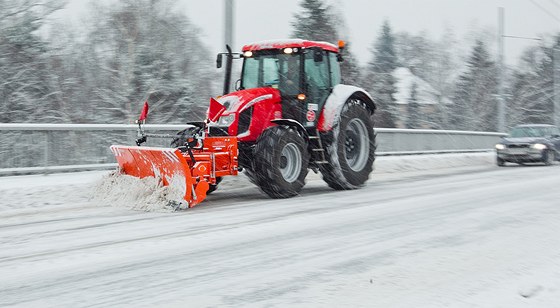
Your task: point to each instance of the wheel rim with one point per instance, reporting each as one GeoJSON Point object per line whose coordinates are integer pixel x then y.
{"type": "Point", "coordinates": [290, 162]}
{"type": "Point", "coordinates": [356, 145]}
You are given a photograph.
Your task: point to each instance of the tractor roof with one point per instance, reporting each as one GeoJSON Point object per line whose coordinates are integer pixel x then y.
{"type": "Point", "coordinates": [293, 43]}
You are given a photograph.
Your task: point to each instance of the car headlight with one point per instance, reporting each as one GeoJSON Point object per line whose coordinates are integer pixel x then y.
{"type": "Point", "coordinates": [538, 146]}
{"type": "Point", "coordinates": [226, 120]}
{"type": "Point", "coordinates": [500, 146]}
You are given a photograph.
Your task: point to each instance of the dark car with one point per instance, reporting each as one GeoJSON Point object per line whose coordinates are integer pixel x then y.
{"type": "Point", "coordinates": [530, 144]}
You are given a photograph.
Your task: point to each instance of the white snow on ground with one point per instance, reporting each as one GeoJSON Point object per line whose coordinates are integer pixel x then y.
{"type": "Point", "coordinates": [146, 194]}
{"type": "Point", "coordinates": [473, 235]}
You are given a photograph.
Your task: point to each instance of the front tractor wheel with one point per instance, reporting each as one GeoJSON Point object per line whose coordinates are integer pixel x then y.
{"type": "Point", "coordinates": [280, 162]}
{"type": "Point", "coordinates": [351, 153]}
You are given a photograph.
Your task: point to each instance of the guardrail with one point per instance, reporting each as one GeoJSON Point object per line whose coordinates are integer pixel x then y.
{"type": "Point", "coordinates": [45, 148]}
{"type": "Point", "coordinates": [394, 141]}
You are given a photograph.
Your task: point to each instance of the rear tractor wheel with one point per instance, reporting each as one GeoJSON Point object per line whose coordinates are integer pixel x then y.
{"type": "Point", "coordinates": [352, 151]}
{"type": "Point", "coordinates": [280, 162]}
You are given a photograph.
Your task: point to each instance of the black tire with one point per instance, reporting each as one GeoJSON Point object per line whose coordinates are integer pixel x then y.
{"type": "Point", "coordinates": [212, 187]}
{"type": "Point", "coordinates": [548, 157]}
{"type": "Point", "coordinates": [500, 162]}
{"type": "Point", "coordinates": [351, 152]}
{"type": "Point", "coordinates": [280, 162]}
{"type": "Point", "coordinates": [250, 175]}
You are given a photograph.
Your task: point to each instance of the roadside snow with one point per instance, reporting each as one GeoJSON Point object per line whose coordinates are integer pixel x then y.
{"type": "Point", "coordinates": [106, 188]}
{"type": "Point", "coordinates": [145, 194]}
{"type": "Point", "coordinates": [466, 234]}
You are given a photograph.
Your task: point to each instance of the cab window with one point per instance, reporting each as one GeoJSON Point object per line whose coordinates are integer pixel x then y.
{"type": "Point", "coordinates": [317, 72]}
{"type": "Point", "coordinates": [334, 69]}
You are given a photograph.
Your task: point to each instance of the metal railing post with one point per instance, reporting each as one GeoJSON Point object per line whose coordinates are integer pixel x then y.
{"type": "Point", "coordinates": [47, 151]}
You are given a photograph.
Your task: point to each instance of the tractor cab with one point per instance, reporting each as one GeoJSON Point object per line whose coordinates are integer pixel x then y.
{"type": "Point", "coordinates": [304, 73]}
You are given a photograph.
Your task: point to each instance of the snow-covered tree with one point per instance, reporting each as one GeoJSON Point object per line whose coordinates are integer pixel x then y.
{"type": "Point", "coordinates": [24, 95]}
{"type": "Point", "coordinates": [416, 52]}
{"type": "Point", "coordinates": [532, 86]}
{"type": "Point", "coordinates": [433, 60]}
{"type": "Point", "coordinates": [350, 68]}
{"type": "Point", "coordinates": [319, 21]}
{"type": "Point", "coordinates": [145, 50]}
{"type": "Point", "coordinates": [475, 102]}
{"type": "Point", "coordinates": [379, 79]}
{"type": "Point", "coordinates": [314, 22]}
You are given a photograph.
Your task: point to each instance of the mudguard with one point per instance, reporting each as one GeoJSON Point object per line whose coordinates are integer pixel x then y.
{"type": "Point", "coordinates": [336, 100]}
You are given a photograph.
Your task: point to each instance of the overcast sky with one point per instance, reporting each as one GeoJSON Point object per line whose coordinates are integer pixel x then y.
{"type": "Point", "coordinates": [271, 19]}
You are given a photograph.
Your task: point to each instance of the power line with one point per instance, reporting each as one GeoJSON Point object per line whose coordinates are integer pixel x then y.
{"type": "Point", "coordinates": [545, 10]}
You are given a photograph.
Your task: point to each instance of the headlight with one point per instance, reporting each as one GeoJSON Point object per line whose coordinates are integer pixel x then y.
{"type": "Point", "coordinates": [288, 50]}
{"type": "Point", "coordinates": [500, 146]}
{"type": "Point", "coordinates": [226, 120]}
{"type": "Point", "coordinates": [538, 146]}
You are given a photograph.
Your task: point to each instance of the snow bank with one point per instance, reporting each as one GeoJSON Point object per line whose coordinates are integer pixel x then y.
{"type": "Point", "coordinates": [395, 164]}
{"type": "Point", "coordinates": [147, 194]}
{"type": "Point", "coordinates": [111, 189]}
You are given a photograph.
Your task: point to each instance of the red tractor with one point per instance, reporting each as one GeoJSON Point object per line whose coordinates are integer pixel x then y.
{"type": "Point", "coordinates": [289, 114]}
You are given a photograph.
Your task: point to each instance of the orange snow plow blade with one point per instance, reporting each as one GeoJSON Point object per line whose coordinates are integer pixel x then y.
{"type": "Point", "coordinates": [217, 158]}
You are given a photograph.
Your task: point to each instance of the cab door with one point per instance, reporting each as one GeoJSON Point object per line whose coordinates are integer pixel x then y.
{"type": "Point", "coordinates": [317, 84]}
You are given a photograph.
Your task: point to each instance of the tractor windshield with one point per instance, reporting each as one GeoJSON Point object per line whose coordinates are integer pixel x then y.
{"type": "Point", "coordinates": [277, 70]}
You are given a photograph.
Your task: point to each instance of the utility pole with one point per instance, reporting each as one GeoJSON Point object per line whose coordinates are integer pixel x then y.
{"type": "Point", "coordinates": [501, 72]}
{"type": "Point", "coordinates": [228, 25]}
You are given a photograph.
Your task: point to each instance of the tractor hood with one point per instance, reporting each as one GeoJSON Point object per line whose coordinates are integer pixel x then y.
{"type": "Point", "coordinates": [248, 113]}
{"type": "Point", "coordinates": [239, 101]}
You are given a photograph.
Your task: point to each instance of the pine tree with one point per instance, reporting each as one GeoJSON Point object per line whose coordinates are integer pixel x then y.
{"type": "Point", "coordinates": [320, 22]}
{"type": "Point", "coordinates": [475, 104]}
{"type": "Point", "coordinates": [350, 68]}
{"type": "Point", "coordinates": [380, 80]}
{"type": "Point", "coordinates": [315, 22]}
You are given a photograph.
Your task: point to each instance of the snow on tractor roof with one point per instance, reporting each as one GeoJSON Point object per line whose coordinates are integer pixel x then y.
{"type": "Point", "coordinates": [293, 43]}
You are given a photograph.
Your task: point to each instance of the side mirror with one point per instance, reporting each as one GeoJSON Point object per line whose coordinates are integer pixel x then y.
{"type": "Point", "coordinates": [219, 61]}
{"type": "Point", "coordinates": [238, 85]}
{"type": "Point", "coordinates": [317, 56]}
{"type": "Point", "coordinates": [339, 58]}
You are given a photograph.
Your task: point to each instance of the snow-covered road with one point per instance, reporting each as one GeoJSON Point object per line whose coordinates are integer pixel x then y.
{"type": "Point", "coordinates": [477, 236]}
